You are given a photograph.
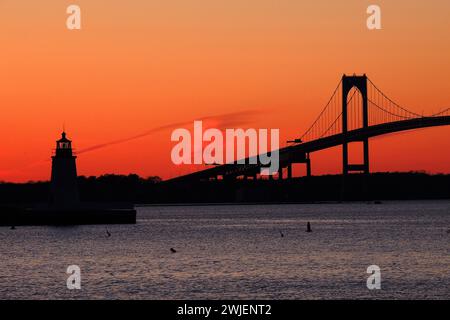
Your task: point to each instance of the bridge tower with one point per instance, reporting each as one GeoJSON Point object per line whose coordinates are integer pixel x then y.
{"type": "Point", "coordinates": [360, 83]}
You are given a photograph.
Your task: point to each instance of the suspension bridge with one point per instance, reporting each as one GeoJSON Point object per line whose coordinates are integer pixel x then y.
{"type": "Point", "coordinates": [357, 111]}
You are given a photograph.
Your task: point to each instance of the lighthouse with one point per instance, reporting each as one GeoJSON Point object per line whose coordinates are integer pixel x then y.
{"type": "Point", "coordinates": [64, 206]}
{"type": "Point", "coordinates": [64, 188]}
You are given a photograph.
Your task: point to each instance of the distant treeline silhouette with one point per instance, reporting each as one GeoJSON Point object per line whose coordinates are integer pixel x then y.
{"type": "Point", "coordinates": [132, 188]}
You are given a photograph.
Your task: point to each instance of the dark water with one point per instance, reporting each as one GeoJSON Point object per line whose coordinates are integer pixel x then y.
{"type": "Point", "coordinates": [237, 252]}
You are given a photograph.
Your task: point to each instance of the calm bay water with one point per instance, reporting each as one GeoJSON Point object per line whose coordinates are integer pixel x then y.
{"type": "Point", "coordinates": [237, 252]}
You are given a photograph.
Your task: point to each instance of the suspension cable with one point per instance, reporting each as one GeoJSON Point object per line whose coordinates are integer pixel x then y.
{"type": "Point", "coordinates": [320, 115]}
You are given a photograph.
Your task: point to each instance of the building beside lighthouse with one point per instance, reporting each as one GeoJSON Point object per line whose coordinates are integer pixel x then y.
{"type": "Point", "coordinates": [64, 188]}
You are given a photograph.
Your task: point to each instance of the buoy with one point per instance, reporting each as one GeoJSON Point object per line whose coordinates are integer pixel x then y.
{"type": "Point", "coordinates": [173, 250]}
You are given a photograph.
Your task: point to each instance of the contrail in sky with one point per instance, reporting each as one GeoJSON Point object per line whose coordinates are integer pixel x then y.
{"type": "Point", "coordinates": [223, 121]}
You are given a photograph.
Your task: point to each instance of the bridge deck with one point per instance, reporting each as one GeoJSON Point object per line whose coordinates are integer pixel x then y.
{"type": "Point", "coordinates": [288, 154]}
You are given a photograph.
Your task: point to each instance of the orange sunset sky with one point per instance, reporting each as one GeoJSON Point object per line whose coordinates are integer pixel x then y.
{"type": "Point", "coordinates": [142, 64]}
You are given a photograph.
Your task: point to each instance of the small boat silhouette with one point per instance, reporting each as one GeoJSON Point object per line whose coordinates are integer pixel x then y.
{"type": "Point", "coordinates": [308, 227]}
{"type": "Point", "coordinates": [173, 250]}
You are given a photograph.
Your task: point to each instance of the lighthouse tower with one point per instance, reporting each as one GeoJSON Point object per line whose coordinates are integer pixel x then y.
{"type": "Point", "coordinates": [64, 189]}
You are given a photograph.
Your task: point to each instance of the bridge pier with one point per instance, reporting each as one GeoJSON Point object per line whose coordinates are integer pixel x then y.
{"type": "Point", "coordinates": [306, 161]}
{"type": "Point", "coordinates": [364, 167]}
{"type": "Point", "coordinates": [308, 166]}
{"type": "Point", "coordinates": [366, 156]}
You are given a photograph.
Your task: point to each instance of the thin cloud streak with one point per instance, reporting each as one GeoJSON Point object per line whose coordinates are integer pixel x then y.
{"type": "Point", "coordinates": [223, 121]}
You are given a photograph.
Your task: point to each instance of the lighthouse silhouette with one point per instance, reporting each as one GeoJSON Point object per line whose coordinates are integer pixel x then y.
{"type": "Point", "coordinates": [64, 188]}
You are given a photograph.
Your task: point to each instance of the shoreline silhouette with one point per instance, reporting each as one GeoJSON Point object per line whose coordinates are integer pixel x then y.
{"type": "Point", "coordinates": [152, 190]}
